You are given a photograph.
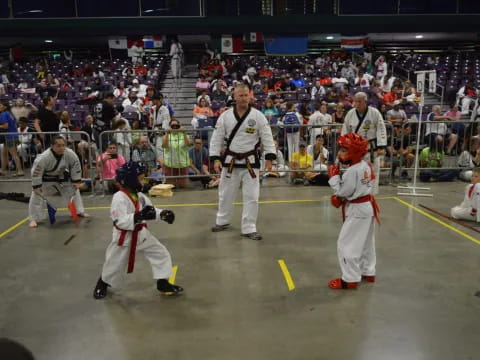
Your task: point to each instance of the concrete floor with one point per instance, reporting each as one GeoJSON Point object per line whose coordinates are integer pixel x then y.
{"type": "Point", "coordinates": [236, 303]}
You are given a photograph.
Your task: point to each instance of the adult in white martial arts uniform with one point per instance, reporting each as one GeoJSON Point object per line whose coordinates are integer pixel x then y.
{"type": "Point", "coordinates": [129, 211]}
{"type": "Point", "coordinates": [234, 146]}
{"type": "Point", "coordinates": [176, 52]}
{"type": "Point", "coordinates": [353, 192]}
{"type": "Point", "coordinates": [59, 167]}
{"type": "Point", "coordinates": [367, 122]}
{"type": "Point", "coordinates": [469, 208]}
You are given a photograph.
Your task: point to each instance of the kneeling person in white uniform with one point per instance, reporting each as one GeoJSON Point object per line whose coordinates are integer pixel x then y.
{"type": "Point", "coordinates": [353, 192]}
{"type": "Point", "coordinates": [129, 211]}
{"type": "Point", "coordinates": [235, 147]}
{"type": "Point", "coordinates": [469, 208]}
{"type": "Point", "coordinates": [57, 167]}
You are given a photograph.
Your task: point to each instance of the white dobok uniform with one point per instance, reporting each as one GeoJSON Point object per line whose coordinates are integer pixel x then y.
{"type": "Point", "coordinates": [468, 209]}
{"type": "Point", "coordinates": [356, 242]}
{"type": "Point", "coordinates": [176, 52]}
{"type": "Point", "coordinates": [371, 128]}
{"type": "Point", "coordinates": [464, 100]}
{"type": "Point", "coordinates": [161, 116]}
{"type": "Point", "coordinates": [118, 253]}
{"type": "Point", "coordinates": [254, 128]}
{"type": "Point", "coordinates": [59, 171]}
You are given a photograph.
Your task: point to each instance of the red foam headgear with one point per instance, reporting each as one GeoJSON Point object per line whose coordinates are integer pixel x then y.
{"type": "Point", "coordinates": [357, 148]}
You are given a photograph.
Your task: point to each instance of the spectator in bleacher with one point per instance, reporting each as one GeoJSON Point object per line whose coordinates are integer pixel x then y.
{"type": "Point", "coordinates": [436, 132]}
{"type": "Point", "coordinates": [128, 72]}
{"type": "Point", "coordinates": [338, 116]}
{"type": "Point", "coordinates": [107, 165]}
{"type": "Point", "coordinates": [140, 89]}
{"type": "Point", "coordinates": [339, 82]}
{"type": "Point", "coordinates": [476, 108]}
{"type": "Point", "coordinates": [345, 98]}
{"type": "Point", "coordinates": [8, 124]}
{"type": "Point", "coordinates": [65, 127]}
{"type": "Point", "coordinates": [41, 68]}
{"type": "Point", "coordinates": [199, 161]}
{"type": "Point", "coordinates": [145, 154]}
{"type": "Point", "coordinates": [204, 95]}
{"type": "Point", "coordinates": [202, 84]}
{"type": "Point", "coordinates": [318, 91]}
{"type": "Point", "coordinates": [364, 80]}
{"type": "Point", "coordinates": [382, 67]}
{"type": "Point", "coordinates": [249, 77]}
{"type": "Point", "coordinates": [136, 134]}
{"type": "Point", "coordinates": [25, 146]}
{"type": "Point", "coordinates": [432, 157]}
{"type": "Point", "coordinates": [201, 111]}
{"type": "Point", "coordinates": [466, 96]}
{"type": "Point", "coordinates": [297, 81]}
{"type": "Point", "coordinates": [177, 54]}
{"type": "Point", "coordinates": [137, 52]}
{"type": "Point", "coordinates": [284, 85]}
{"type": "Point", "coordinates": [133, 104]}
{"type": "Point", "coordinates": [386, 83]}
{"type": "Point", "coordinates": [52, 81]}
{"type": "Point", "coordinates": [22, 109]}
{"type": "Point", "coordinates": [269, 109]}
{"type": "Point", "coordinates": [120, 91]}
{"type": "Point", "coordinates": [122, 138]}
{"type": "Point", "coordinates": [265, 72]}
{"type": "Point", "coordinates": [409, 93]}
{"type": "Point", "coordinates": [319, 155]}
{"type": "Point", "coordinates": [469, 159]}
{"type": "Point", "coordinates": [87, 147]}
{"type": "Point", "coordinates": [175, 156]}
{"type": "Point", "coordinates": [159, 113]}
{"type": "Point", "coordinates": [46, 120]}
{"type": "Point", "coordinates": [300, 160]}
{"type": "Point", "coordinates": [219, 94]}
{"type": "Point", "coordinates": [44, 90]}
{"type": "Point", "coordinates": [140, 70]}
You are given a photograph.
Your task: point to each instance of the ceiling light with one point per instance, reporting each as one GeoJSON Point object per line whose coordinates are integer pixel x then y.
{"type": "Point", "coordinates": [329, 37]}
{"type": "Point", "coordinates": [148, 11]}
{"type": "Point", "coordinates": [418, 36]}
{"type": "Point", "coordinates": [35, 11]}
{"type": "Point", "coordinates": [49, 41]}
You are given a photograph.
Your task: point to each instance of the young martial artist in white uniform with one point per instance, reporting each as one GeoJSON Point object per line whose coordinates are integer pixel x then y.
{"type": "Point", "coordinates": [367, 122]}
{"type": "Point", "coordinates": [129, 210]}
{"type": "Point", "coordinates": [469, 208]}
{"type": "Point", "coordinates": [235, 146]}
{"type": "Point", "coordinates": [353, 192]}
{"type": "Point", "coordinates": [57, 167]}
{"type": "Point", "coordinates": [176, 52]}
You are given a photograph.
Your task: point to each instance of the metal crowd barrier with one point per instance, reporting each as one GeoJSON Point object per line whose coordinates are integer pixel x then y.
{"type": "Point", "coordinates": [449, 145]}
{"type": "Point", "coordinates": [27, 146]}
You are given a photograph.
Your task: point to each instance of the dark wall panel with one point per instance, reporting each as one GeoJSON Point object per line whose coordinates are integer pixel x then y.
{"type": "Point", "coordinates": [354, 7]}
{"type": "Point", "coordinates": [103, 8]}
{"type": "Point", "coordinates": [469, 6]}
{"type": "Point", "coordinates": [428, 6]}
{"type": "Point", "coordinates": [43, 8]}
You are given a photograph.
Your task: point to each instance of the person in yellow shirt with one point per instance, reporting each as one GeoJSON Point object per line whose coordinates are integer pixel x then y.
{"type": "Point", "coordinates": [300, 160]}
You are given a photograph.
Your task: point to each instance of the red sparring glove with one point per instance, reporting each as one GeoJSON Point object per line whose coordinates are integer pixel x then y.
{"type": "Point", "coordinates": [333, 170]}
{"type": "Point", "coordinates": [336, 201]}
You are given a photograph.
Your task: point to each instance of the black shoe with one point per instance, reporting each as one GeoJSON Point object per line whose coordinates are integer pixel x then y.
{"type": "Point", "coordinates": [100, 290]}
{"type": "Point", "coordinates": [253, 236]}
{"type": "Point", "coordinates": [217, 228]}
{"type": "Point", "coordinates": [168, 289]}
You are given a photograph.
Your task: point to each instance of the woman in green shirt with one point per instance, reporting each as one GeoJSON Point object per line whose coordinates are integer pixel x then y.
{"type": "Point", "coordinates": [175, 154]}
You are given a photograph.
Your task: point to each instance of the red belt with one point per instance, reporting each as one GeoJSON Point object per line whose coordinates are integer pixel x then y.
{"type": "Point", "coordinates": [133, 243]}
{"type": "Point", "coordinates": [364, 199]}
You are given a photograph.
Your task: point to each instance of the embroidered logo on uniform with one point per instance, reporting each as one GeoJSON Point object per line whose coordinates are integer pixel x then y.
{"type": "Point", "coordinates": [251, 122]}
{"type": "Point", "coordinates": [250, 130]}
{"type": "Point", "coordinates": [366, 125]}
{"type": "Point", "coordinates": [366, 178]}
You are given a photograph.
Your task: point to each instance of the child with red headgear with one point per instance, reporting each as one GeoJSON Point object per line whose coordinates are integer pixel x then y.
{"type": "Point", "coordinates": [353, 192]}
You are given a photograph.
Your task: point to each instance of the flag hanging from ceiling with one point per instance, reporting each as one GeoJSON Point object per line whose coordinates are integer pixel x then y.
{"type": "Point", "coordinates": [152, 42]}
{"type": "Point", "coordinates": [117, 43]}
{"type": "Point", "coordinates": [232, 44]}
{"type": "Point", "coordinates": [353, 42]}
{"type": "Point", "coordinates": [286, 45]}
{"type": "Point", "coordinates": [253, 37]}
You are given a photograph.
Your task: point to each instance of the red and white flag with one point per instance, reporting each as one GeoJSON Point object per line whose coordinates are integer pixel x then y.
{"type": "Point", "coordinates": [352, 43]}
{"type": "Point", "coordinates": [255, 37]}
{"type": "Point", "coordinates": [232, 44]}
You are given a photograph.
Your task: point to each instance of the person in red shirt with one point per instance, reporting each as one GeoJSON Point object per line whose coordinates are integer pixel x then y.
{"type": "Point", "coordinates": [390, 97]}
{"type": "Point", "coordinates": [265, 73]}
{"type": "Point", "coordinates": [140, 70]}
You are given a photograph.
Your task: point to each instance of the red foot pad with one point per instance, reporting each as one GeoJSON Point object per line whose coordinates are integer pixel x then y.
{"type": "Point", "coordinates": [338, 284]}
{"type": "Point", "coordinates": [368, 278]}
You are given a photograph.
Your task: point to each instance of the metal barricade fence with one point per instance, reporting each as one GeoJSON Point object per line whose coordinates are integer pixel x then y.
{"type": "Point", "coordinates": [446, 149]}
{"type": "Point", "coordinates": [19, 150]}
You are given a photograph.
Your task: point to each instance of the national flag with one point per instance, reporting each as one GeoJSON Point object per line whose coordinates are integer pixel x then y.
{"type": "Point", "coordinates": [138, 41]}
{"type": "Point", "coordinates": [256, 37]}
{"type": "Point", "coordinates": [152, 42]}
{"type": "Point", "coordinates": [51, 213]}
{"type": "Point", "coordinates": [117, 43]}
{"type": "Point", "coordinates": [286, 45]}
{"type": "Point", "coordinates": [232, 44]}
{"type": "Point", "coordinates": [73, 210]}
{"type": "Point", "coordinates": [353, 42]}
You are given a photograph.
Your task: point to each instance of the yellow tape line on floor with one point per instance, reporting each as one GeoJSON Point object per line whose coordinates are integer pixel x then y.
{"type": "Point", "coordinates": [431, 217]}
{"type": "Point", "coordinates": [286, 275]}
{"type": "Point", "coordinates": [13, 227]}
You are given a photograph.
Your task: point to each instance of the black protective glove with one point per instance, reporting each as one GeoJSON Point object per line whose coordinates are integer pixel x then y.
{"type": "Point", "coordinates": [167, 216]}
{"type": "Point", "coordinates": [147, 213]}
